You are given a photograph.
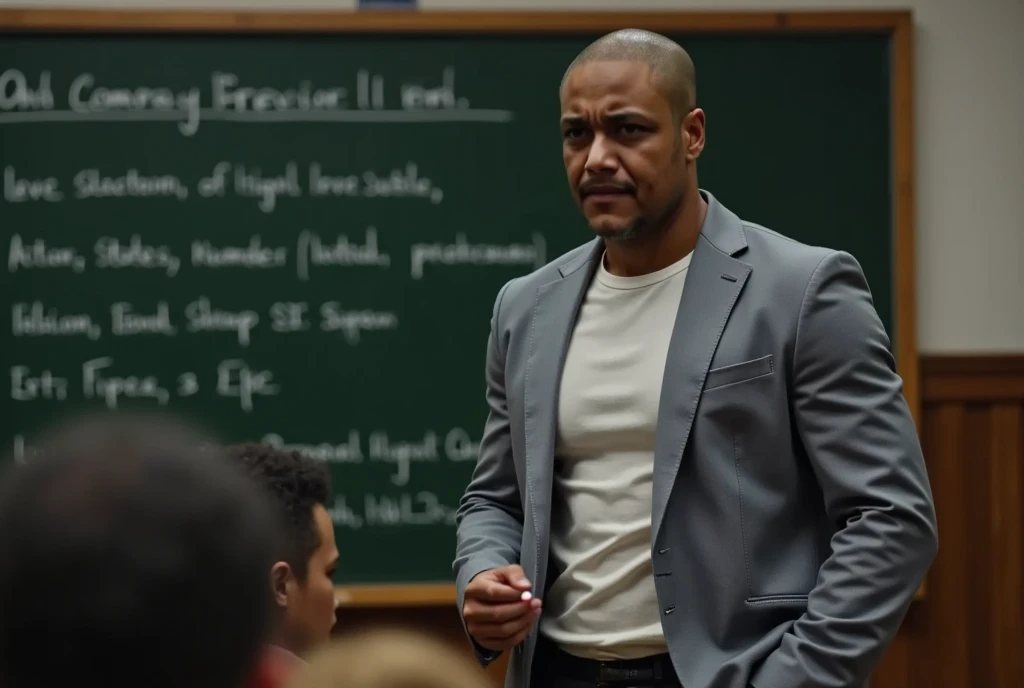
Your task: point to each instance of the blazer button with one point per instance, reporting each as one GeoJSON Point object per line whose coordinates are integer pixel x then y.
{"type": "Point", "coordinates": [669, 610]}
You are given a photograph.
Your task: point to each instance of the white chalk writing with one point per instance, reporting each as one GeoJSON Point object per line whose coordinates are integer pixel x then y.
{"type": "Point", "coordinates": [289, 316]}
{"type": "Point", "coordinates": [235, 379]}
{"type": "Point", "coordinates": [312, 251]}
{"type": "Point", "coordinates": [87, 98]}
{"type": "Point", "coordinates": [343, 515]}
{"type": "Point", "coordinates": [126, 322]}
{"type": "Point", "coordinates": [30, 98]}
{"type": "Point", "coordinates": [17, 94]}
{"type": "Point", "coordinates": [402, 454]}
{"type": "Point", "coordinates": [37, 320]}
{"type": "Point", "coordinates": [23, 452]}
{"type": "Point", "coordinates": [251, 182]}
{"type": "Point", "coordinates": [350, 451]}
{"type": "Point", "coordinates": [402, 184]}
{"type": "Point", "coordinates": [38, 255]}
{"type": "Point", "coordinates": [420, 509]}
{"type": "Point", "coordinates": [20, 190]}
{"type": "Point", "coordinates": [252, 255]}
{"type": "Point", "coordinates": [459, 446]}
{"type": "Point", "coordinates": [353, 323]}
{"type": "Point", "coordinates": [111, 253]}
{"type": "Point", "coordinates": [97, 383]}
{"type": "Point", "coordinates": [203, 317]}
{"type": "Point", "coordinates": [26, 386]}
{"type": "Point", "coordinates": [92, 184]}
{"type": "Point", "coordinates": [461, 252]}
{"type": "Point", "coordinates": [227, 95]}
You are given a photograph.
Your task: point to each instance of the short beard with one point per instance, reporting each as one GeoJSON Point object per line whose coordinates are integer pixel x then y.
{"type": "Point", "coordinates": [647, 225]}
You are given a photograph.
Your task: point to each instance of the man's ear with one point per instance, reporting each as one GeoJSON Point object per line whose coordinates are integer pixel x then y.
{"type": "Point", "coordinates": [280, 582]}
{"type": "Point", "coordinates": [692, 132]}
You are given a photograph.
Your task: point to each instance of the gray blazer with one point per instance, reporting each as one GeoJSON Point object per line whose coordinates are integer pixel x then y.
{"type": "Point", "coordinates": [792, 518]}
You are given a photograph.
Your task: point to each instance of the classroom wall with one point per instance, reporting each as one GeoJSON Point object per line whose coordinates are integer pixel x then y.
{"type": "Point", "coordinates": [970, 148]}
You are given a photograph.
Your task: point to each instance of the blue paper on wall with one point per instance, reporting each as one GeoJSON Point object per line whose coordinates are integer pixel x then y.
{"type": "Point", "coordinates": [387, 4]}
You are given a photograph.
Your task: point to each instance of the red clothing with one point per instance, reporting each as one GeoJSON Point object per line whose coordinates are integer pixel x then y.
{"type": "Point", "coordinates": [274, 668]}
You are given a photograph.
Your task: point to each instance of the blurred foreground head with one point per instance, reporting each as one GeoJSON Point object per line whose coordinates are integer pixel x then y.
{"type": "Point", "coordinates": [131, 557]}
{"type": "Point", "coordinates": [390, 658]}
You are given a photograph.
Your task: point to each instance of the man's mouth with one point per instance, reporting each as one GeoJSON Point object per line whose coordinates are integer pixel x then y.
{"type": "Point", "coordinates": [604, 193]}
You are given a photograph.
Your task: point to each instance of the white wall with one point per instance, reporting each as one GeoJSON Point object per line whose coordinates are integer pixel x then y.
{"type": "Point", "coordinates": [970, 148]}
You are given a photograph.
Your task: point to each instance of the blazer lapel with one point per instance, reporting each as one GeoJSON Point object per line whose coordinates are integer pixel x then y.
{"type": "Point", "coordinates": [554, 315]}
{"type": "Point", "coordinates": [713, 283]}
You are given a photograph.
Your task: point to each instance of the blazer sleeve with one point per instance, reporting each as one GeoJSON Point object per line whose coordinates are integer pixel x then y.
{"type": "Point", "coordinates": [860, 438]}
{"type": "Point", "coordinates": [489, 521]}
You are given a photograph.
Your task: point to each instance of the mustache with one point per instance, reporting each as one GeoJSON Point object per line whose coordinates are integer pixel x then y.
{"type": "Point", "coordinates": [604, 187]}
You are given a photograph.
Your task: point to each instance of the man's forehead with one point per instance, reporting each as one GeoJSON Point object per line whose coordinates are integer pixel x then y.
{"type": "Point", "coordinates": [609, 74]}
{"type": "Point", "coordinates": [614, 83]}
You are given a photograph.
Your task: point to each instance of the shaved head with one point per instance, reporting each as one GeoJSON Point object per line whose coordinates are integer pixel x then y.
{"type": "Point", "coordinates": [670, 65]}
{"type": "Point", "coordinates": [631, 136]}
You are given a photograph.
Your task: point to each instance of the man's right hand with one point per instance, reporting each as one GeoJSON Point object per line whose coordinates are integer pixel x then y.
{"type": "Point", "coordinates": [495, 613]}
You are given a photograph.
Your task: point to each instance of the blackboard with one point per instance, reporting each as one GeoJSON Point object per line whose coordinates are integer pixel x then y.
{"type": "Point", "coordinates": [292, 228]}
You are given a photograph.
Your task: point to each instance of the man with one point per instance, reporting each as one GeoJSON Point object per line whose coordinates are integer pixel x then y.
{"type": "Point", "coordinates": [697, 458]}
{"type": "Point", "coordinates": [302, 575]}
{"type": "Point", "coordinates": [131, 559]}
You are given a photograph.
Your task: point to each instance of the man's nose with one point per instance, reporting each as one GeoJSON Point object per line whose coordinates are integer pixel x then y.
{"type": "Point", "coordinates": [601, 157]}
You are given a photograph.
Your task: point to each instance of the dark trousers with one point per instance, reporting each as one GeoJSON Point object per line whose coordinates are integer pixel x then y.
{"type": "Point", "coordinates": [553, 668]}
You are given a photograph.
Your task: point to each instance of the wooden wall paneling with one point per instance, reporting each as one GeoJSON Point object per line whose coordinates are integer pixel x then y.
{"type": "Point", "coordinates": [943, 441]}
{"type": "Point", "coordinates": [974, 454]}
{"type": "Point", "coordinates": [1006, 539]}
{"type": "Point", "coordinates": [969, 630]}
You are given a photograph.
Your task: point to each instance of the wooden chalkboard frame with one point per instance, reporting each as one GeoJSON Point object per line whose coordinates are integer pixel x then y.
{"type": "Point", "coordinates": [898, 25]}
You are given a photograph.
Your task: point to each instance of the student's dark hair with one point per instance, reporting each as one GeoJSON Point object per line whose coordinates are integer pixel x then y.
{"type": "Point", "coordinates": [296, 483]}
{"type": "Point", "coordinates": [131, 556]}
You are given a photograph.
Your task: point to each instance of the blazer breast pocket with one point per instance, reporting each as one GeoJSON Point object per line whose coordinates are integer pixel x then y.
{"type": "Point", "coordinates": [739, 372]}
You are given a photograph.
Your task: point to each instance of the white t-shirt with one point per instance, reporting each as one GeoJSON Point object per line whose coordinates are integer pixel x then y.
{"type": "Point", "coordinates": [604, 605]}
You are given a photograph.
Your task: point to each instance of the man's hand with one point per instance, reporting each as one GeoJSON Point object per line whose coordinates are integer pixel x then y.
{"type": "Point", "coordinates": [496, 614]}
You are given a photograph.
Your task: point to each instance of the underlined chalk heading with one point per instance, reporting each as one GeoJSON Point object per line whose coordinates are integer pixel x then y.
{"type": "Point", "coordinates": [31, 98]}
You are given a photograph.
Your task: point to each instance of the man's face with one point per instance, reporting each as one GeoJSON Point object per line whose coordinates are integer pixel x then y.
{"type": "Point", "coordinates": [625, 156]}
{"type": "Point", "coordinates": [310, 605]}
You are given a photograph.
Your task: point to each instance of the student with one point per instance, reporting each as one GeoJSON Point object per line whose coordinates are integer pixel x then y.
{"type": "Point", "coordinates": [390, 658]}
{"type": "Point", "coordinates": [301, 577]}
{"type": "Point", "coordinates": [130, 558]}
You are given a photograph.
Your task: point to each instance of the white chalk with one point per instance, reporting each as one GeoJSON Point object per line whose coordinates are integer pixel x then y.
{"type": "Point", "coordinates": [526, 596]}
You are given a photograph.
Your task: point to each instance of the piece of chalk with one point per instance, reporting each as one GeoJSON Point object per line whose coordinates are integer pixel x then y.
{"type": "Point", "coordinates": [526, 596]}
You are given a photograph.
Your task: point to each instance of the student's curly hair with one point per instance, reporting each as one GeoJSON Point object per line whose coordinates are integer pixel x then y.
{"type": "Point", "coordinates": [296, 483]}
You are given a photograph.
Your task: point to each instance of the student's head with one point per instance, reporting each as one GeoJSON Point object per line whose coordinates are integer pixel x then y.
{"type": "Point", "coordinates": [390, 658]}
{"type": "Point", "coordinates": [631, 133]}
{"type": "Point", "coordinates": [129, 556]}
{"type": "Point", "coordinates": [302, 575]}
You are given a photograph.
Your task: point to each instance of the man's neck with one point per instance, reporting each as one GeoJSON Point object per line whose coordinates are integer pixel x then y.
{"type": "Point", "coordinates": [647, 254]}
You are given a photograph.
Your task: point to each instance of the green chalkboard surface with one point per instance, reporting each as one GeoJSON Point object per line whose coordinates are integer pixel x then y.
{"type": "Point", "coordinates": [298, 238]}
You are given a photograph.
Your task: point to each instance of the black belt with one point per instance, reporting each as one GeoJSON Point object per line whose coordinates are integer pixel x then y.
{"type": "Point", "coordinates": [654, 669]}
